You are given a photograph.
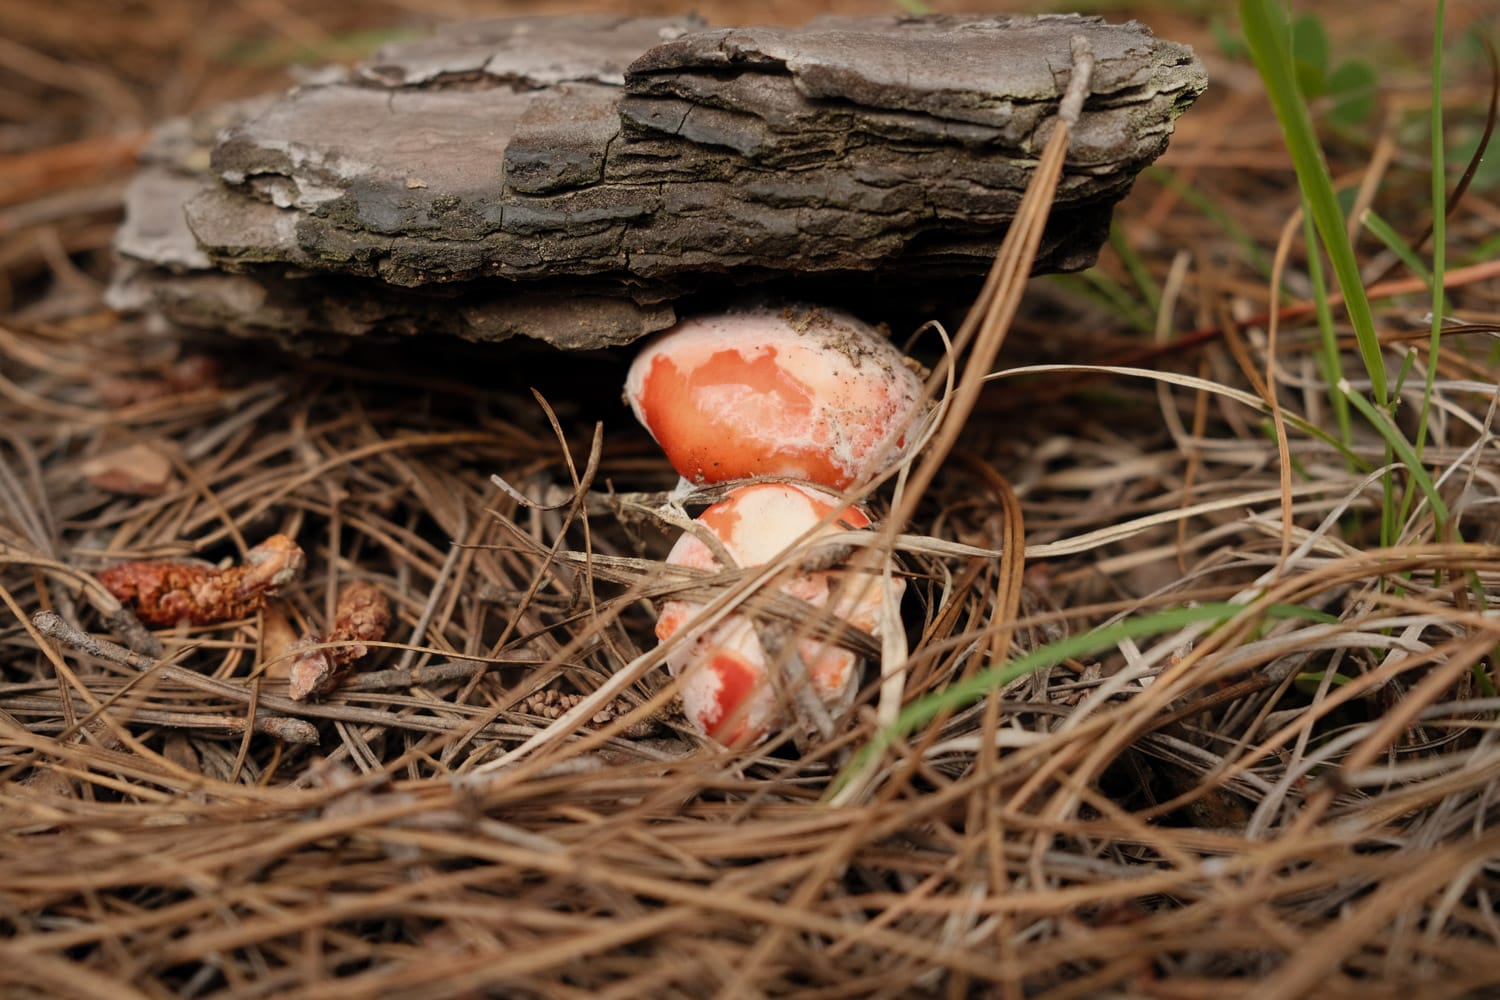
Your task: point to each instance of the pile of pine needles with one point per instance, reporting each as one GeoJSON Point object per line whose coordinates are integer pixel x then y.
{"type": "Point", "coordinates": [1196, 696]}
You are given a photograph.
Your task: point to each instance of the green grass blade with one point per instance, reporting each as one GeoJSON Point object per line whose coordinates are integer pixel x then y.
{"type": "Point", "coordinates": [1404, 451]}
{"type": "Point", "coordinates": [1434, 278]}
{"type": "Point", "coordinates": [1135, 265]}
{"type": "Point", "coordinates": [963, 693]}
{"type": "Point", "coordinates": [1329, 359]}
{"type": "Point", "coordinates": [1096, 286]}
{"type": "Point", "coordinates": [1264, 23]}
{"type": "Point", "coordinates": [1387, 234]}
{"type": "Point", "coordinates": [1487, 250]}
{"type": "Point", "coordinates": [1439, 223]}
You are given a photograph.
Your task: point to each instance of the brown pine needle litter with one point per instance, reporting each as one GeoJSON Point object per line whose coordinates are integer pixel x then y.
{"type": "Point", "coordinates": [1291, 788]}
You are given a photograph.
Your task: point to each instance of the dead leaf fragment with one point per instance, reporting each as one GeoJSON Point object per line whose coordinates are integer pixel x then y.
{"type": "Point", "coordinates": [137, 470]}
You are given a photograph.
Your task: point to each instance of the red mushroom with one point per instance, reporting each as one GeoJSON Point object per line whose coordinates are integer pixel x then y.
{"type": "Point", "coordinates": [729, 691]}
{"type": "Point", "coordinates": [801, 393]}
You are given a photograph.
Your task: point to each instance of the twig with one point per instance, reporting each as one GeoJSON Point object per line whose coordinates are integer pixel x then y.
{"type": "Point", "coordinates": [287, 730]}
{"type": "Point", "coordinates": [51, 624]}
{"type": "Point", "coordinates": [982, 334]}
{"type": "Point", "coordinates": [434, 673]}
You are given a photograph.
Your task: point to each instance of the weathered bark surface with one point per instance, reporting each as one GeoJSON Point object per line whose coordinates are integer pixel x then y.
{"type": "Point", "coordinates": [568, 178]}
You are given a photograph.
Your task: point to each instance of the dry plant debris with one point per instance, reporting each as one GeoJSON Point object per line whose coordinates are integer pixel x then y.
{"type": "Point", "coordinates": [319, 662]}
{"type": "Point", "coordinates": [1302, 802]}
{"type": "Point", "coordinates": [163, 592]}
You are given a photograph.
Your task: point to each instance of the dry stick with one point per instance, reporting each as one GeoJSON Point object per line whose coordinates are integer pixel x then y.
{"type": "Point", "coordinates": [121, 620]}
{"type": "Point", "coordinates": [66, 679]}
{"type": "Point", "coordinates": [987, 323]}
{"type": "Point", "coordinates": [51, 625]}
{"type": "Point", "coordinates": [228, 724]}
{"type": "Point", "coordinates": [723, 604]}
{"type": "Point", "coordinates": [991, 317]}
{"type": "Point", "coordinates": [581, 486]}
{"type": "Point", "coordinates": [1283, 445]}
{"type": "Point", "coordinates": [432, 673]}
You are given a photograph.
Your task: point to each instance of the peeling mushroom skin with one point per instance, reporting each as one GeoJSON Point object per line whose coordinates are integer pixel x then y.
{"type": "Point", "coordinates": [728, 689]}
{"type": "Point", "coordinates": [802, 393]}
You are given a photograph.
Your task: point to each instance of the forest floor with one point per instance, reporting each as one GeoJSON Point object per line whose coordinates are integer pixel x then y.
{"type": "Point", "coordinates": [1198, 697]}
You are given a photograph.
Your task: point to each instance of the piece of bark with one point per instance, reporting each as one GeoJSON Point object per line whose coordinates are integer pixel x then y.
{"type": "Point", "coordinates": [516, 177]}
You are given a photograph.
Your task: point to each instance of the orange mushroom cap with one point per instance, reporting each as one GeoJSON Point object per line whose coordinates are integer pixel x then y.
{"type": "Point", "coordinates": [802, 393]}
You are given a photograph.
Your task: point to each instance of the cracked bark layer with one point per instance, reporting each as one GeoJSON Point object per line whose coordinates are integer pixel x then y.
{"type": "Point", "coordinates": [569, 178]}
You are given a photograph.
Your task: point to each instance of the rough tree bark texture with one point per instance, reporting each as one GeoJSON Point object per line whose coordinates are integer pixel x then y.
{"type": "Point", "coordinates": [569, 178]}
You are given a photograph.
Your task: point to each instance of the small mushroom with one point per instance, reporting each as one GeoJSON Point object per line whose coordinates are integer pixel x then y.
{"type": "Point", "coordinates": [728, 690]}
{"type": "Point", "coordinates": [802, 393]}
